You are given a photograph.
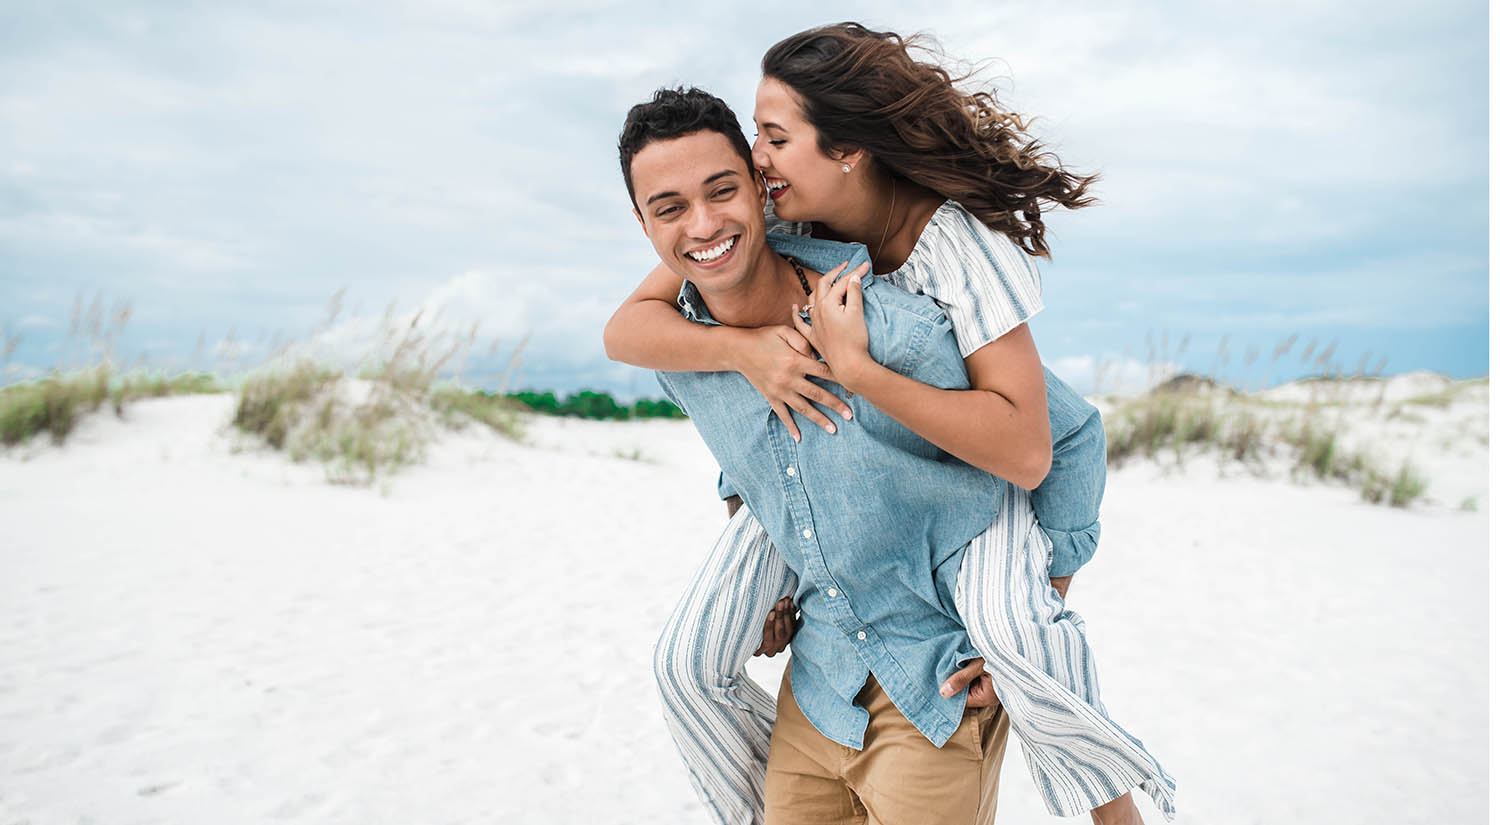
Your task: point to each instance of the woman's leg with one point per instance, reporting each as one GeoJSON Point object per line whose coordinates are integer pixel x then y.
{"type": "Point", "coordinates": [1043, 670]}
{"type": "Point", "coordinates": [719, 717]}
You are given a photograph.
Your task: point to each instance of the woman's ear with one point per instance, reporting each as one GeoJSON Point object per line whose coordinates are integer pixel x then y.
{"type": "Point", "coordinates": [848, 160]}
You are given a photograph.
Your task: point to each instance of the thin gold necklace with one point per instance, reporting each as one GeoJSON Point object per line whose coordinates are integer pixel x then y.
{"type": "Point", "coordinates": [888, 214]}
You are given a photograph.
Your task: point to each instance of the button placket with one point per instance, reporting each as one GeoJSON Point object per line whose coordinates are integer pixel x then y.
{"type": "Point", "coordinates": [799, 507]}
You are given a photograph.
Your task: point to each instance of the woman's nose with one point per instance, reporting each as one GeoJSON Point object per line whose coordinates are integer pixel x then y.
{"type": "Point", "coordinates": [758, 155]}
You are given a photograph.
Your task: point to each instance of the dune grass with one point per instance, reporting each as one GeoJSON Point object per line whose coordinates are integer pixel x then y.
{"type": "Point", "coordinates": [362, 421]}
{"type": "Point", "coordinates": [1185, 417]}
{"type": "Point", "coordinates": [457, 406]}
{"type": "Point", "coordinates": [55, 404]}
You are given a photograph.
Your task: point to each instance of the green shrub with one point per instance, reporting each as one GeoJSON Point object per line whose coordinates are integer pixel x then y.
{"type": "Point", "coordinates": [655, 409]}
{"type": "Point", "coordinates": [600, 406]}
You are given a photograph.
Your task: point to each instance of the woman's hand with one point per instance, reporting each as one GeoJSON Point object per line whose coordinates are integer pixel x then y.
{"type": "Point", "coordinates": [838, 330]}
{"type": "Point", "coordinates": [777, 360]}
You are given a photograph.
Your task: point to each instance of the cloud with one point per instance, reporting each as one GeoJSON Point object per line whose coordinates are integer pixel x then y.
{"type": "Point", "coordinates": [37, 322]}
{"type": "Point", "coordinates": [1310, 164]}
{"type": "Point", "coordinates": [1112, 374]}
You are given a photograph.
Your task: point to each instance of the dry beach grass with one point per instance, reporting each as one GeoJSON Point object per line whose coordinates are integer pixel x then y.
{"type": "Point", "coordinates": [376, 412]}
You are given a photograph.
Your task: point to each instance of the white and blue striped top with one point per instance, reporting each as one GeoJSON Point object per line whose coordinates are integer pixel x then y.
{"type": "Point", "coordinates": [985, 282]}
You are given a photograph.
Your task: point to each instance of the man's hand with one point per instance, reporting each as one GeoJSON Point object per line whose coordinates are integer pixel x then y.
{"type": "Point", "coordinates": [1061, 585]}
{"type": "Point", "coordinates": [981, 686]}
{"type": "Point", "coordinates": [781, 625]}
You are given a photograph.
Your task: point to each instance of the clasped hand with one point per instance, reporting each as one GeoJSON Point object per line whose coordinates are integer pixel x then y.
{"type": "Point", "coordinates": [838, 330]}
{"type": "Point", "coordinates": [779, 361]}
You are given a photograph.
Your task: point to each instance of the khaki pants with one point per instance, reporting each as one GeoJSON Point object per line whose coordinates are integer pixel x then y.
{"type": "Point", "coordinates": [898, 779]}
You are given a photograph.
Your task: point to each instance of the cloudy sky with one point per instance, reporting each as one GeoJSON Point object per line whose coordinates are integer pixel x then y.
{"type": "Point", "coordinates": [1316, 169]}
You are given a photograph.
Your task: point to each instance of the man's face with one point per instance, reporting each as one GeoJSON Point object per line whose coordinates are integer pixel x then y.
{"type": "Point", "coordinates": [701, 208]}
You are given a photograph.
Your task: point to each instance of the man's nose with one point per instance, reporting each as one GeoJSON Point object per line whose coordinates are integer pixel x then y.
{"type": "Point", "coordinates": [705, 222]}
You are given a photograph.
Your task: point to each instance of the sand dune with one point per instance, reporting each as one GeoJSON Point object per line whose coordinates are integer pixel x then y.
{"type": "Point", "coordinates": [194, 630]}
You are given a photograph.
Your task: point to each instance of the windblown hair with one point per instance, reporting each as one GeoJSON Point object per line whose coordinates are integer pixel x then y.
{"type": "Point", "coordinates": [863, 89]}
{"type": "Point", "coordinates": [674, 113]}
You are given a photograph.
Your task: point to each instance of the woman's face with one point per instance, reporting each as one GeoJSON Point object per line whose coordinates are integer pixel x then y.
{"type": "Point", "coordinates": [805, 183]}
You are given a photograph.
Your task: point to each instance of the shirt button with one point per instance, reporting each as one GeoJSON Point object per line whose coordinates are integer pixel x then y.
{"type": "Point", "coordinates": [860, 635]}
{"type": "Point", "coordinates": [791, 471]}
{"type": "Point", "coordinates": [807, 534]}
{"type": "Point", "coordinates": [833, 593]}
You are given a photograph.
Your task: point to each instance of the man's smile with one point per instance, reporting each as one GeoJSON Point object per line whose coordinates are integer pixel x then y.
{"type": "Point", "coordinates": [711, 256]}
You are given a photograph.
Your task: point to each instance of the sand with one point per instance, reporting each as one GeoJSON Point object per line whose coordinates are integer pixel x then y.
{"type": "Point", "coordinates": [193, 629]}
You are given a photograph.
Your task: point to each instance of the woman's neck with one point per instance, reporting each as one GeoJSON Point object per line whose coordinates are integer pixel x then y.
{"type": "Point", "coordinates": [888, 218]}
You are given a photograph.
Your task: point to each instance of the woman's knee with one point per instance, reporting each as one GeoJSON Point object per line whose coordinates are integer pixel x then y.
{"type": "Point", "coordinates": [679, 664]}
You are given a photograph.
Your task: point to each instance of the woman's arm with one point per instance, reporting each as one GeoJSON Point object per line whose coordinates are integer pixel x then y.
{"type": "Point", "coordinates": [1000, 425]}
{"type": "Point", "coordinates": [649, 331]}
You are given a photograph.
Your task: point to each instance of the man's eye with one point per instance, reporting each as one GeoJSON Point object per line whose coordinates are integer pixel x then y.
{"type": "Point", "coordinates": [667, 211]}
{"type": "Point", "coordinates": [728, 190]}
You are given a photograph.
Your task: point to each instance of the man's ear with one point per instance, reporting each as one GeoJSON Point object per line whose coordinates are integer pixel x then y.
{"type": "Point", "coordinates": [641, 221]}
{"type": "Point", "coordinates": [760, 183]}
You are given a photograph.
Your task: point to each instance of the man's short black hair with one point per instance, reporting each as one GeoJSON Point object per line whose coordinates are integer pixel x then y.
{"type": "Point", "coordinates": [673, 113]}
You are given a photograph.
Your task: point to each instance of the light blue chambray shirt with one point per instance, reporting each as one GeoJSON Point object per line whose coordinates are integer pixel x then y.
{"type": "Point", "coordinates": [873, 520]}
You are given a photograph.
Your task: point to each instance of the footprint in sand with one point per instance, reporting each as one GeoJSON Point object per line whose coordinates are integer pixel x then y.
{"type": "Point", "coordinates": [153, 790]}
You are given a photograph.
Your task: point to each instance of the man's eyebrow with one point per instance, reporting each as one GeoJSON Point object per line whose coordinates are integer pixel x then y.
{"type": "Point", "coordinates": [710, 179]}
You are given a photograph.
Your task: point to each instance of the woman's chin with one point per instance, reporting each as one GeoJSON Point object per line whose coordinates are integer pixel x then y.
{"type": "Point", "coordinates": [789, 213]}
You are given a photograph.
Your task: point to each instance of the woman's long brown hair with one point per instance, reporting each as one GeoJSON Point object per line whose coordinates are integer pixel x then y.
{"type": "Point", "coordinates": [863, 89]}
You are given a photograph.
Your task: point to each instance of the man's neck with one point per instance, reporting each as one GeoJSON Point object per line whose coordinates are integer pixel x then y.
{"type": "Point", "coordinates": [764, 297]}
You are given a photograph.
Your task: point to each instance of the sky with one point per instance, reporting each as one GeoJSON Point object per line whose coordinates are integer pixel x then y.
{"type": "Point", "coordinates": [232, 172]}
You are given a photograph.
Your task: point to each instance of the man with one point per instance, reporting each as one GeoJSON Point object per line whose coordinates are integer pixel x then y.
{"type": "Point", "coordinates": [861, 729]}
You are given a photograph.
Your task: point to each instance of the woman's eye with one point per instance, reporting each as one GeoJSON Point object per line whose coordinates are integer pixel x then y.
{"type": "Point", "coordinates": [777, 142]}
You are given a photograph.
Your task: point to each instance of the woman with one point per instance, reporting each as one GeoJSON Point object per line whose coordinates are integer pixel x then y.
{"type": "Point", "coordinates": [859, 142]}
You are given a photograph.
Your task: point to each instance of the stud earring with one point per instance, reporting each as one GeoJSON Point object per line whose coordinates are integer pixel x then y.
{"type": "Point", "coordinates": [847, 168]}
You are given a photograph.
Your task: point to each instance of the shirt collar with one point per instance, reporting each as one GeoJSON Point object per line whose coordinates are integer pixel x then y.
{"type": "Point", "coordinates": [692, 306]}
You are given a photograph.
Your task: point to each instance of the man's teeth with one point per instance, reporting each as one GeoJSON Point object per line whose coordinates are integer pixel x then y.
{"type": "Point", "coordinates": [712, 253]}
{"type": "Point", "coordinates": [781, 184]}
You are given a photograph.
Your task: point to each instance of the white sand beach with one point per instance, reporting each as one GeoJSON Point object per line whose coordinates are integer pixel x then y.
{"type": "Point", "coordinates": [196, 630]}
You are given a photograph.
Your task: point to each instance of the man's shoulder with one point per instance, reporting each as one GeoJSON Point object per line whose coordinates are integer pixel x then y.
{"type": "Point", "coordinates": [824, 255]}
{"type": "Point", "coordinates": [893, 298]}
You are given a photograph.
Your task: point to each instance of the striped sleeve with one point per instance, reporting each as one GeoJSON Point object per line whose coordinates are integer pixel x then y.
{"type": "Point", "coordinates": [986, 283]}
